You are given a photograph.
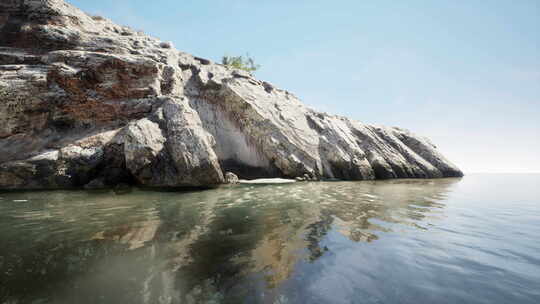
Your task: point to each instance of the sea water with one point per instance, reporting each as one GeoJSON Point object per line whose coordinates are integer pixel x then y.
{"type": "Point", "coordinates": [469, 240]}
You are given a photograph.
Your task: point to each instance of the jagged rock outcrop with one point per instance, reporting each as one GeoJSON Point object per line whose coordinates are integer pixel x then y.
{"type": "Point", "coordinates": [86, 102]}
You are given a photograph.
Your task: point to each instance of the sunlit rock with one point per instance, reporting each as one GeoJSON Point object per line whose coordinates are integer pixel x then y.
{"type": "Point", "coordinates": [119, 106]}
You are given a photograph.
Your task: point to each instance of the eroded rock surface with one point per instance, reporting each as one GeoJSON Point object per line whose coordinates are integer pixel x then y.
{"type": "Point", "coordinates": [84, 101]}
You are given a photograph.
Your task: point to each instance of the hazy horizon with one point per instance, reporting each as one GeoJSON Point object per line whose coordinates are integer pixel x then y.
{"type": "Point", "coordinates": [465, 75]}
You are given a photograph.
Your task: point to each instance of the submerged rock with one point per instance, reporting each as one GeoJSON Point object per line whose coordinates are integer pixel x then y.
{"type": "Point", "coordinates": [83, 99]}
{"type": "Point", "coordinates": [95, 184]}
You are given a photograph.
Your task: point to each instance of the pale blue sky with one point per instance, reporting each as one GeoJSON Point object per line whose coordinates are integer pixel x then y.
{"type": "Point", "coordinates": [465, 73]}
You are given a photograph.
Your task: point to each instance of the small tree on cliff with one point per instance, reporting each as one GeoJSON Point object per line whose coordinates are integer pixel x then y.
{"type": "Point", "coordinates": [240, 62]}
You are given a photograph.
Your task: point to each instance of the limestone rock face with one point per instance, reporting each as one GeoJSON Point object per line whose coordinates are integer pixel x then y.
{"type": "Point", "coordinates": [84, 101]}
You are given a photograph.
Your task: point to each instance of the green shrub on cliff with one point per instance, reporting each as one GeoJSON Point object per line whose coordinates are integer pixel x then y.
{"type": "Point", "coordinates": [240, 62]}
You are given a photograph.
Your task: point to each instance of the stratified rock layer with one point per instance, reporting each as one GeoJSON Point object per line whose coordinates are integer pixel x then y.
{"type": "Point", "coordinates": [86, 102]}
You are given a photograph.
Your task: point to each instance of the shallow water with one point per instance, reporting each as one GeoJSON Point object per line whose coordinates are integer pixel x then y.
{"type": "Point", "coordinates": [470, 240]}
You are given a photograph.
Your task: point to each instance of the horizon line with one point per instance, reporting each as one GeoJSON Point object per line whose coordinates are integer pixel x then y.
{"type": "Point", "coordinates": [502, 172]}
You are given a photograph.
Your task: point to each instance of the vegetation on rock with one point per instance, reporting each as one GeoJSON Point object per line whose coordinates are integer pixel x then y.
{"type": "Point", "coordinates": [240, 62]}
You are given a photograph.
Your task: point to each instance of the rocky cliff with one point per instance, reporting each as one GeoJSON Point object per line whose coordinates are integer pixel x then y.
{"type": "Point", "coordinates": [85, 102]}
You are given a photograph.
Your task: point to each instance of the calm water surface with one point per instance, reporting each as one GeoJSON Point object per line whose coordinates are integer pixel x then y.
{"type": "Point", "coordinates": [470, 240]}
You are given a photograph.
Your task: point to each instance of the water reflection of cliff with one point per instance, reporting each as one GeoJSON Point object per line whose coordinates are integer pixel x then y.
{"type": "Point", "coordinates": [227, 245]}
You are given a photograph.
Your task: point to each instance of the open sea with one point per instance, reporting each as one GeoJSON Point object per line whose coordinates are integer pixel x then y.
{"type": "Point", "coordinates": [469, 240]}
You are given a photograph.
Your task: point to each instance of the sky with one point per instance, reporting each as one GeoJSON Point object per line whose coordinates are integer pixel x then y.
{"type": "Point", "coordinates": [464, 73]}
